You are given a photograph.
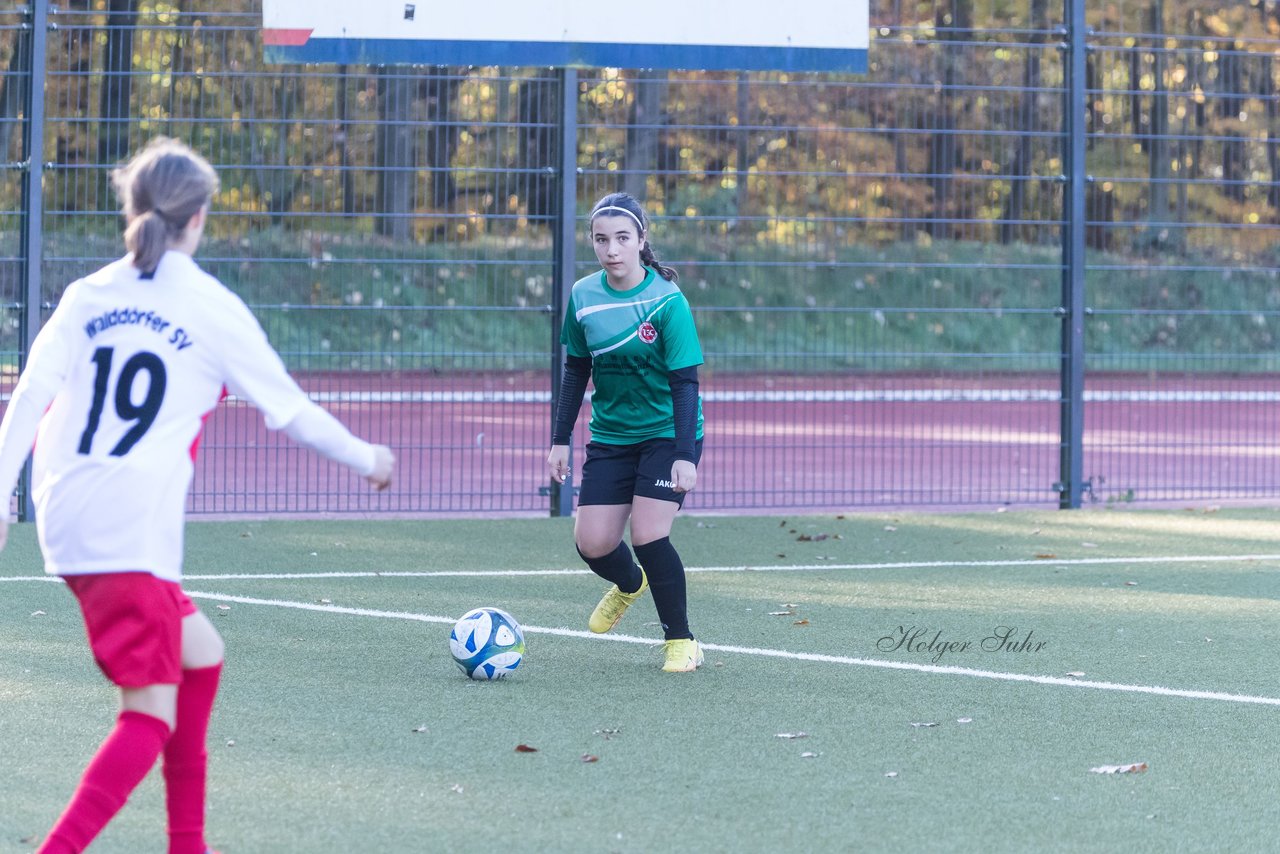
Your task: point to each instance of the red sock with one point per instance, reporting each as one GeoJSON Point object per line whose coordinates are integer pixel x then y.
{"type": "Point", "coordinates": [116, 769]}
{"type": "Point", "coordinates": [185, 760]}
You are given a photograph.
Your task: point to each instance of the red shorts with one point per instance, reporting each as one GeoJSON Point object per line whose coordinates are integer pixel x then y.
{"type": "Point", "coordinates": [134, 623]}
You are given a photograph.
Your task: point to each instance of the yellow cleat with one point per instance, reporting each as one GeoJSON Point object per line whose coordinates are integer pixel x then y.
{"type": "Point", "coordinates": [684, 655]}
{"type": "Point", "coordinates": [614, 604]}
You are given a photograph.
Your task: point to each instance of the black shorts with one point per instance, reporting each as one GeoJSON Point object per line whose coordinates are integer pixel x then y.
{"type": "Point", "coordinates": [615, 474]}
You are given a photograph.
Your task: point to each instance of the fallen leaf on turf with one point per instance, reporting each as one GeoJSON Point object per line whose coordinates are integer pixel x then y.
{"type": "Point", "coordinates": [231, 742]}
{"type": "Point", "coordinates": [964, 720]}
{"type": "Point", "coordinates": [41, 614]}
{"type": "Point", "coordinates": [800, 623]}
{"type": "Point", "coordinates": [925, 723]}
{"type": "Point", "coordinates": [1046, 556]}
{"type": "Point", "coordinates": [792, 735]}
{"type": "Point", "coordinates": [608, 733]}
{"type": "Point", "coordinates": [807, 755]}
{"type": "Point", "coordinates": [891, 527]}
{"type": "Point", "coordinates": [1131, 768]}
{"type": "Point", "coordinates": [1076, 673]}
{"type": "Point", "coordinates": [326, 601]}
{"type": "Point", "coordinates": [422, 728]}
{"type": "Point", "coordinates": [782, 524]}
{"type": "Point", "coordinates": [803, 538]}
{"type": "Point", "coordinates": [891, 773]}
{"type": "Point", "coordinates": [1131, 584]}
{"type": "Point", "coordinates": [456, 788]}
{"type": "Point", "coordinates": [1089, 545]}
{"type": "Point", "coordinates": [524, 748]}
{"type": "Point", "coordinates": [587, 757]}
{"type": "Point", "coordinates": [224, 607]}
{"type": "Point", "coordinates": [782, 613]}
{"type": "Point", "coordinates": [780, 554]}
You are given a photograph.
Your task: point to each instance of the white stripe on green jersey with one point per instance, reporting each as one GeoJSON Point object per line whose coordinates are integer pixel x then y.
{"type": "Point", "coordinates": [635, 339]}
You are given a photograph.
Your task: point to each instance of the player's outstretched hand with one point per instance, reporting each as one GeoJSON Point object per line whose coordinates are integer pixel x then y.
{"type": "Point", "coordinates": [684, 476]}
{"type": "Point", "coordinates": [383, 462]}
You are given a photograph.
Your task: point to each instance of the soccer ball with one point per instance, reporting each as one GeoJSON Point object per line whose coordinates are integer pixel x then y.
{"type": "Point", "coordinates": [487, 643]}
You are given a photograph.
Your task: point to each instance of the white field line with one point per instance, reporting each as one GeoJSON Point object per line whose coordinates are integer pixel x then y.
{"type": "Point", "coordinates": [802, 567]}
{"type": "Point", "coordinates": [1058, 681]}
{"type": "Point", "coordinates": [906, 395]}
{"type": "Point", "coordinates": [743, 650]}
{"type": "Point", "coordinates": [942, 395]}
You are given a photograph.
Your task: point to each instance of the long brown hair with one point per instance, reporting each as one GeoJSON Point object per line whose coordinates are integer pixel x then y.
{"type": "Point", "coordinates": [161, 189]}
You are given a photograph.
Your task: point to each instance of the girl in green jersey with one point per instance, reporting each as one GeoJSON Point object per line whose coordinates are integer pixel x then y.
{"type": "Point", "coordinates": [630, 331]}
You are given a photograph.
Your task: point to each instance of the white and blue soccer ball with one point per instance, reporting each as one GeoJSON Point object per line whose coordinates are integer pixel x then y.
{"type": "Point", "coordinates": [487, 643]}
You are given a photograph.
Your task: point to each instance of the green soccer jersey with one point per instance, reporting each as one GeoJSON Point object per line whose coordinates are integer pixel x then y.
{"type": "Point", "coordinates": [635, 338]}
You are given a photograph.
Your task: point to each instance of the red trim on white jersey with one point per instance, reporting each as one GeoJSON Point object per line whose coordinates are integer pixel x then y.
{"type": "Point", "coordinates": [204, 419]}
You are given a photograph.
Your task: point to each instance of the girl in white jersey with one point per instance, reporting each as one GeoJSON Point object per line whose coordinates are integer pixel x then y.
{"type": "Point", "coordinates": [630, 330]}
{"type": "Point", "coordinates": [114, 395]}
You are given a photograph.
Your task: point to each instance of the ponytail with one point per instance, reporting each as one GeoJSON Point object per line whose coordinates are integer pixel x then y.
{"type": "Point", "coordinates": [161, 188]}
{"type": "Point", "coordinates": [650, 260]}
{"type": "Point", "coordinates": [147, 237]}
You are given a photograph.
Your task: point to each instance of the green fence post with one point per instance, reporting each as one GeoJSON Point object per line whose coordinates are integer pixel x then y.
{"type": "Point", "coordinates": [1072, 309]}
{"type": "Point", "coordinates": [33, 207]}
{"type": "Point", "coordinates": [565, 233]}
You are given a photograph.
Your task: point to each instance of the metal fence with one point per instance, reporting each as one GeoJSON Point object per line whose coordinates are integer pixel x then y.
{"type": "Point", "coordinates": [923, 286]}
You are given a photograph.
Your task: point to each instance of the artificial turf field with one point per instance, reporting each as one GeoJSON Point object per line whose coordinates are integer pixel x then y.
{"type": "Point", "coordinates": [1095, 638]}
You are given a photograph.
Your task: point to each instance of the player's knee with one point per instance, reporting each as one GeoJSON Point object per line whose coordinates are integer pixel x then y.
{"type": "Point", "coordinates": [158, 701]}
{"type": "Point", "coordinates": [217, 647]}
{"type": "Point", "coordinates": [202, 646]}
{"type": "Point", "coordinates": [592, 547]}
{"type": "Point", "coordinates": [644, 531]}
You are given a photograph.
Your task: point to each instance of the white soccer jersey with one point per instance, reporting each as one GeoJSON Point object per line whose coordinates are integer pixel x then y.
{"type": "Point", "coordinates": [130, 367]}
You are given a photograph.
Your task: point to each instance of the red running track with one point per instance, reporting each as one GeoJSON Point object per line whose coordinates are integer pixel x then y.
{"type": "Point", "coordinates": [476, 443]}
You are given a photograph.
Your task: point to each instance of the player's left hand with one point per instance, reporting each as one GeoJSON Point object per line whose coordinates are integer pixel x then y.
{"type": "Point", "coordinates": [384, 462]}
{"type": "Point", "coordinates": [684, 476]}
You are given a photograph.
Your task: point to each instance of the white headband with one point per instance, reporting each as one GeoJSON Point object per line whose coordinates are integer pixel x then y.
{"type": "Point", "coordinates": [595, 213]}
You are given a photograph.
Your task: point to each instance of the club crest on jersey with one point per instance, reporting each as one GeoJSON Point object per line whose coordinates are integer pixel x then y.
{"type": "Point", "coordinates": [648, 332]}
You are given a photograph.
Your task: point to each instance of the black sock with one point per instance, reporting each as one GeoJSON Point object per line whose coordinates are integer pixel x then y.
{"type": "Point", "coordinates": [666, 581]}
{"type": "Point", "coordinates": [617, 566]}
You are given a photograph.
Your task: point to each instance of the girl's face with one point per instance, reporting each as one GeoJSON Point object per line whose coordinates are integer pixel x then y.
{"type": "Point", "coordinates": [617, 243]}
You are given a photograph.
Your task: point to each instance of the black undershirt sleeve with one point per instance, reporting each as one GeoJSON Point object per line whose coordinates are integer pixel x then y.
{"type": "Point", "coordinates": [684, 404]}
{"type": "Point", "coordinates": [573, 386]}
